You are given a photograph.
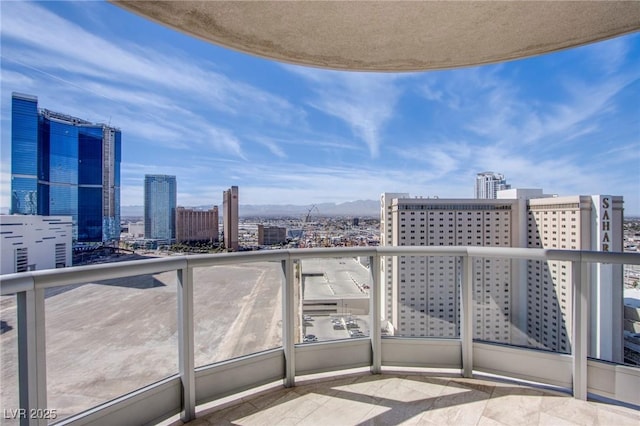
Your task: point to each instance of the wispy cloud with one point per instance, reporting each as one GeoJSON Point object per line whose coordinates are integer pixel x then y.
{"type": "Point", "coordinates": [5, 184]}
{"type": "Point", "coordinates": [224, 139]}
{"type": "Point", "coordinates": [124, 72]}
{"type": "Point", "coordinates": [496, 106]}
{"type": "Point", "coordinates": [12, 78]}
{"type": "Point", "coordinates": [364, 101]}
{"type": "Point", "coordinates": [439, 159]}
{"type": "Point", "coordinates": [272, 145]}
{"type": "Point", "coordinates": [609, 56]}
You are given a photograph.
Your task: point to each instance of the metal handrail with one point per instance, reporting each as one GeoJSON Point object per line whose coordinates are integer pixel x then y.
{"type": "Point", "coordinates": [23, 281]}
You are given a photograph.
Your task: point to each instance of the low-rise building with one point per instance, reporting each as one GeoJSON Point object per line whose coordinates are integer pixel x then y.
{"type": "Point", "coordinates": [30, 242]}
{"type": "Point", "coordinates": [196, 225]}
{"type": "Point", "coordinates": [135, 229]}
{"type": "Point", "coordinates": [271, 235]}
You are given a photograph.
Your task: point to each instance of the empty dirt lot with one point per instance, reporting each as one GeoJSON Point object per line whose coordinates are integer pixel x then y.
{"type": "Point", "coordinates": [109, 338]}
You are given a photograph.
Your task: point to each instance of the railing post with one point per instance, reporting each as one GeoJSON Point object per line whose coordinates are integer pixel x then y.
{"type": "Point", "coordinates": [288, 321]}
{"type": "Point", "coordinates": [375, 293]}
{"type": "Point", "coordinates": [579, 329]}
{"type": "Point", "coordinates": [186, 355]}
{"type": "Point", "coordinates": [466, 316]}
{"type": "Point", "coordinates": [32, 356]}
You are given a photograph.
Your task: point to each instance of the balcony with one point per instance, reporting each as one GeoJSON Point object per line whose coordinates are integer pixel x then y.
{"type": "Point", "coordinates": [220, 337]}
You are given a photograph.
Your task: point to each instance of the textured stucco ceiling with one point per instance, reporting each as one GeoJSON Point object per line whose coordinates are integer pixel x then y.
{"type": "Point", "coordinates": [394, 35]}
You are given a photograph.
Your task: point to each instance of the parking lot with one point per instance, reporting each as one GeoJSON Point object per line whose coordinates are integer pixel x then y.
{"type": "Point", "coordinates": [336, 327]}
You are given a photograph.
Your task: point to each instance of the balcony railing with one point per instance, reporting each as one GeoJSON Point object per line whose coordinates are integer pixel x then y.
{"type": "Point", "coordinates": [193, 385]}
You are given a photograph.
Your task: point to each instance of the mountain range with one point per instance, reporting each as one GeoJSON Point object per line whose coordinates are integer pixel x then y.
{"type": "Point", "coordinates": [360, 208]}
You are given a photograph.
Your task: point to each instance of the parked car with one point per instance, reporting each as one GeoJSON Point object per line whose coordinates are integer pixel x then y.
{"type": "Point", "coordinates": [310, 338]}
{"type": "Point", "coordinates": [356, 333]}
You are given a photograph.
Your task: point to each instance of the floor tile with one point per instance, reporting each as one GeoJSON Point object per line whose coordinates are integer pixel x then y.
{"type": "Point", "coordinates": [570, 409]}
{"type": "Point", "coordinates": [547, 419]}
{"type": "Point", "coordinates": [618, 416]}
{"type": "Point", "coordinates": [514, 405]}
{"type": "Point", "coordinates": [457, 405]}
{"type": "Point", "coordinates": [411, 399]}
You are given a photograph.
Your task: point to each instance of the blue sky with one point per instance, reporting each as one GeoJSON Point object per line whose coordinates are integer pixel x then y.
{"type": "Point", "coordinates": [567, 122]}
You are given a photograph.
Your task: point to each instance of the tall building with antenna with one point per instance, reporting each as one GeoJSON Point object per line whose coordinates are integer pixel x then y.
{"type": "Point", "coordinates": [488, 184]}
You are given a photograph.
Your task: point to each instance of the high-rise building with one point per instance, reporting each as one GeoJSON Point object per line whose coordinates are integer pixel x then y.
{"type": "Point", "coordinates": [488, 184]}
{"type": "Point", "coordinates": [230, 218]}
{"type": "Point", "coordinates": [65, 166]}
{"type": "Point", "coordinates": [160, 202]}
{"type": "Point", "coordinates": [518, 302]}
{"type": "Point", "coordinates": [197, 225]}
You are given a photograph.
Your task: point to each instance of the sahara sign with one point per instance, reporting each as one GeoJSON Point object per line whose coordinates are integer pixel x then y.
{"type": "Point", "coordinates": [604, 240]}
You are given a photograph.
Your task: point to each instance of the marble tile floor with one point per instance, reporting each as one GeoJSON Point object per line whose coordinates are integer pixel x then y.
{"type": "Point", "coordinates": [414, 399]}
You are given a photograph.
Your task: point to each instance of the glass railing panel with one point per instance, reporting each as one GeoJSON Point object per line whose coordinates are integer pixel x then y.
{"type": "Point", "coordinates": [333, 299]}
{"type": "Point", "coordinates": [237, 310]}
{"type": "Point", "coordinates": [9, 360]}
{"type": "Point", "coordinates": [493, 303]}
{"type": "Point", "coordinates": [614, 313]}
{"type": "Point", "coordinates": [421, 296]}
{"type": "Point", "coordinates": [630, 328]}
{"type": "Point", "coordinates": [107, 338]}
{"type": "Point", "coordinates": [525, 303]}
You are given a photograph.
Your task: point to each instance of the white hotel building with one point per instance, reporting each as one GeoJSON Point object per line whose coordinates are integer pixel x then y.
{"type": "Point", "coordinates": [420, 292]}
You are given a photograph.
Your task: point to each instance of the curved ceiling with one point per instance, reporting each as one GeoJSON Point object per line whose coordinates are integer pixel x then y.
{"type": "Point", "coordinates": [394, 36]}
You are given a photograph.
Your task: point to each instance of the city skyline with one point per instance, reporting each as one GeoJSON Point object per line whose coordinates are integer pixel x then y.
{"type": "Point", "coordinates": [287, 134]}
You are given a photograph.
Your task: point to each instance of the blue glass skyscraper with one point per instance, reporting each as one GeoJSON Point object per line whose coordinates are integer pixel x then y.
{"type": "Point", "coordinates": [160, 202]}
{"type": "Point", "coordinates": [63, 165]}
